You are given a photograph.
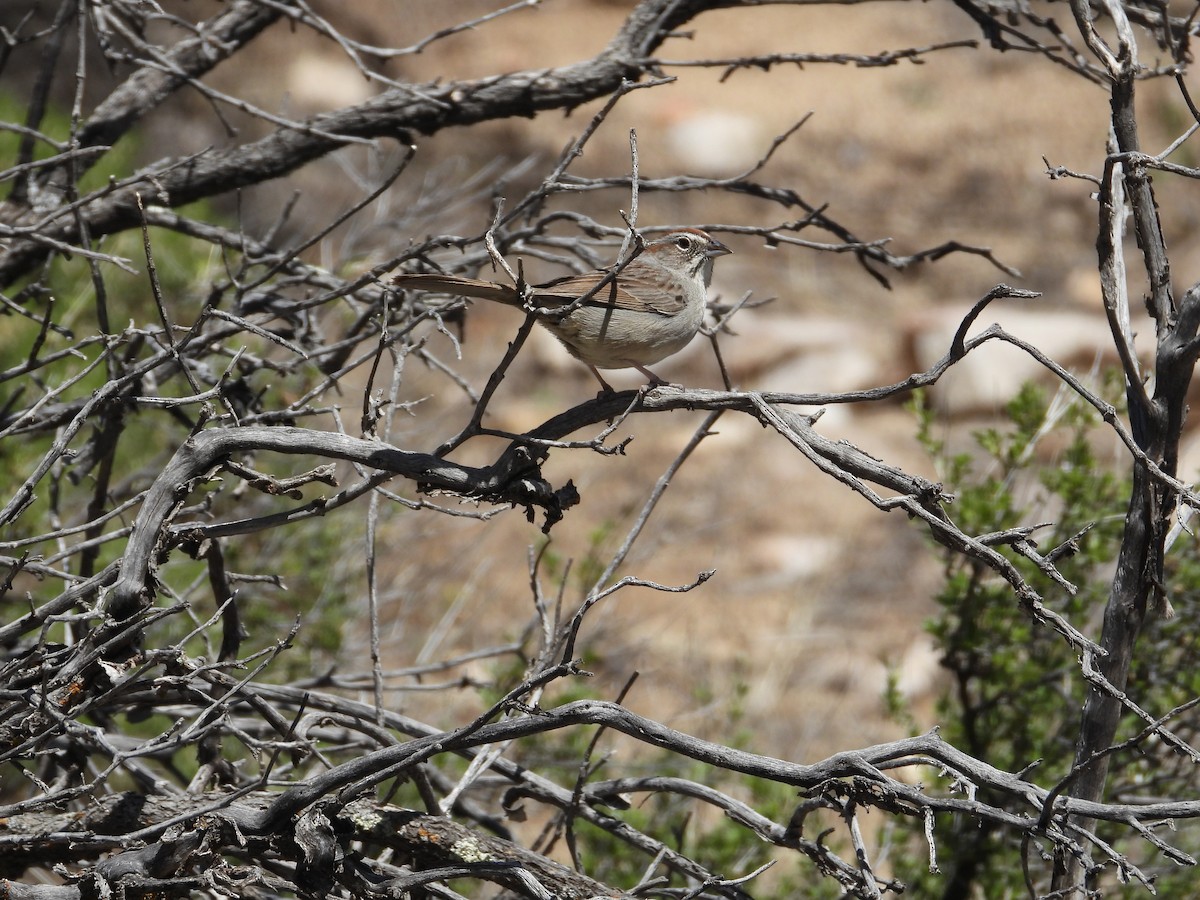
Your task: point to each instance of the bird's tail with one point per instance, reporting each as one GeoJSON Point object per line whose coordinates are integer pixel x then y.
{"type": "Point", "coordinates": [454, 284]}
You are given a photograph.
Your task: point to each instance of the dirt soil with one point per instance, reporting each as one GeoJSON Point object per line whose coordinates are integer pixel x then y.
{"type": "Point", "coordinates": [816, 595]}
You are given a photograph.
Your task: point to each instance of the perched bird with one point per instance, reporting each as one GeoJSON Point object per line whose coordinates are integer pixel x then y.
{"type": "Point", "coordinates": [652, 309]}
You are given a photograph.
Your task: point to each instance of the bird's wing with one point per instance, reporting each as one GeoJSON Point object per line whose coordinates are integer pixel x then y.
{"type": "Point", "coordinates": [624, 292]}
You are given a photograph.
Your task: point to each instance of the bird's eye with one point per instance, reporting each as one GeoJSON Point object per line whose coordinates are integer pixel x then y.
{"type": "Point", "coordinates": [684, 242]}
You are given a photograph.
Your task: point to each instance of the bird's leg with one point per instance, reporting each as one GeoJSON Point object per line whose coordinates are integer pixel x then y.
{"type": "Point", "coordinates": [604, 384]}
{"type": "Point", "coordinates": [654, 381]}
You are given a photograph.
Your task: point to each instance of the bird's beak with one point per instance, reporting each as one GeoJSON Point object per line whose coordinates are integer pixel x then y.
{"type": "Point", "coordinates": [715, 249]}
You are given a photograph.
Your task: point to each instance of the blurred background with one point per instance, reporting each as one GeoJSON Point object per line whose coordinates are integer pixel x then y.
{"type": "Point", "coordinates": [818, 599]}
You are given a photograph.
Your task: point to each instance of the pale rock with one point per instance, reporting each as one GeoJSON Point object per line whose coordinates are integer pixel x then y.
{"type": "Point", "coordinates": [796, 556]}
{"type": "Point", "coordinates": [716, 142]}
{"type": "Point", "coordinates": [1189, 458]}
{"type": "Point", "coordinates": [919, 670]}
{"type": "Point", "coordinates": [316, 81]}
{"type": "Point", "coordinates": [801, 354]}
{"type": "Point", "coordinates": [991, 375]}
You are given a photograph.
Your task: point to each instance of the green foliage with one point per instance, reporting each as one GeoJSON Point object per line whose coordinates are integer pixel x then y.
{"type": "Point", "coordinates": [586, 570]}
{"type": "Point", "coordinates": [73, 303]}
{"type": "Point", "coordinates": [316, 590]}
{"type": "Point", "coordinates": [594, 562]}
{"type": "Point", "coordinates": [1015, 689]}
{"type": "Point", "coordinates": [309, 555]}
